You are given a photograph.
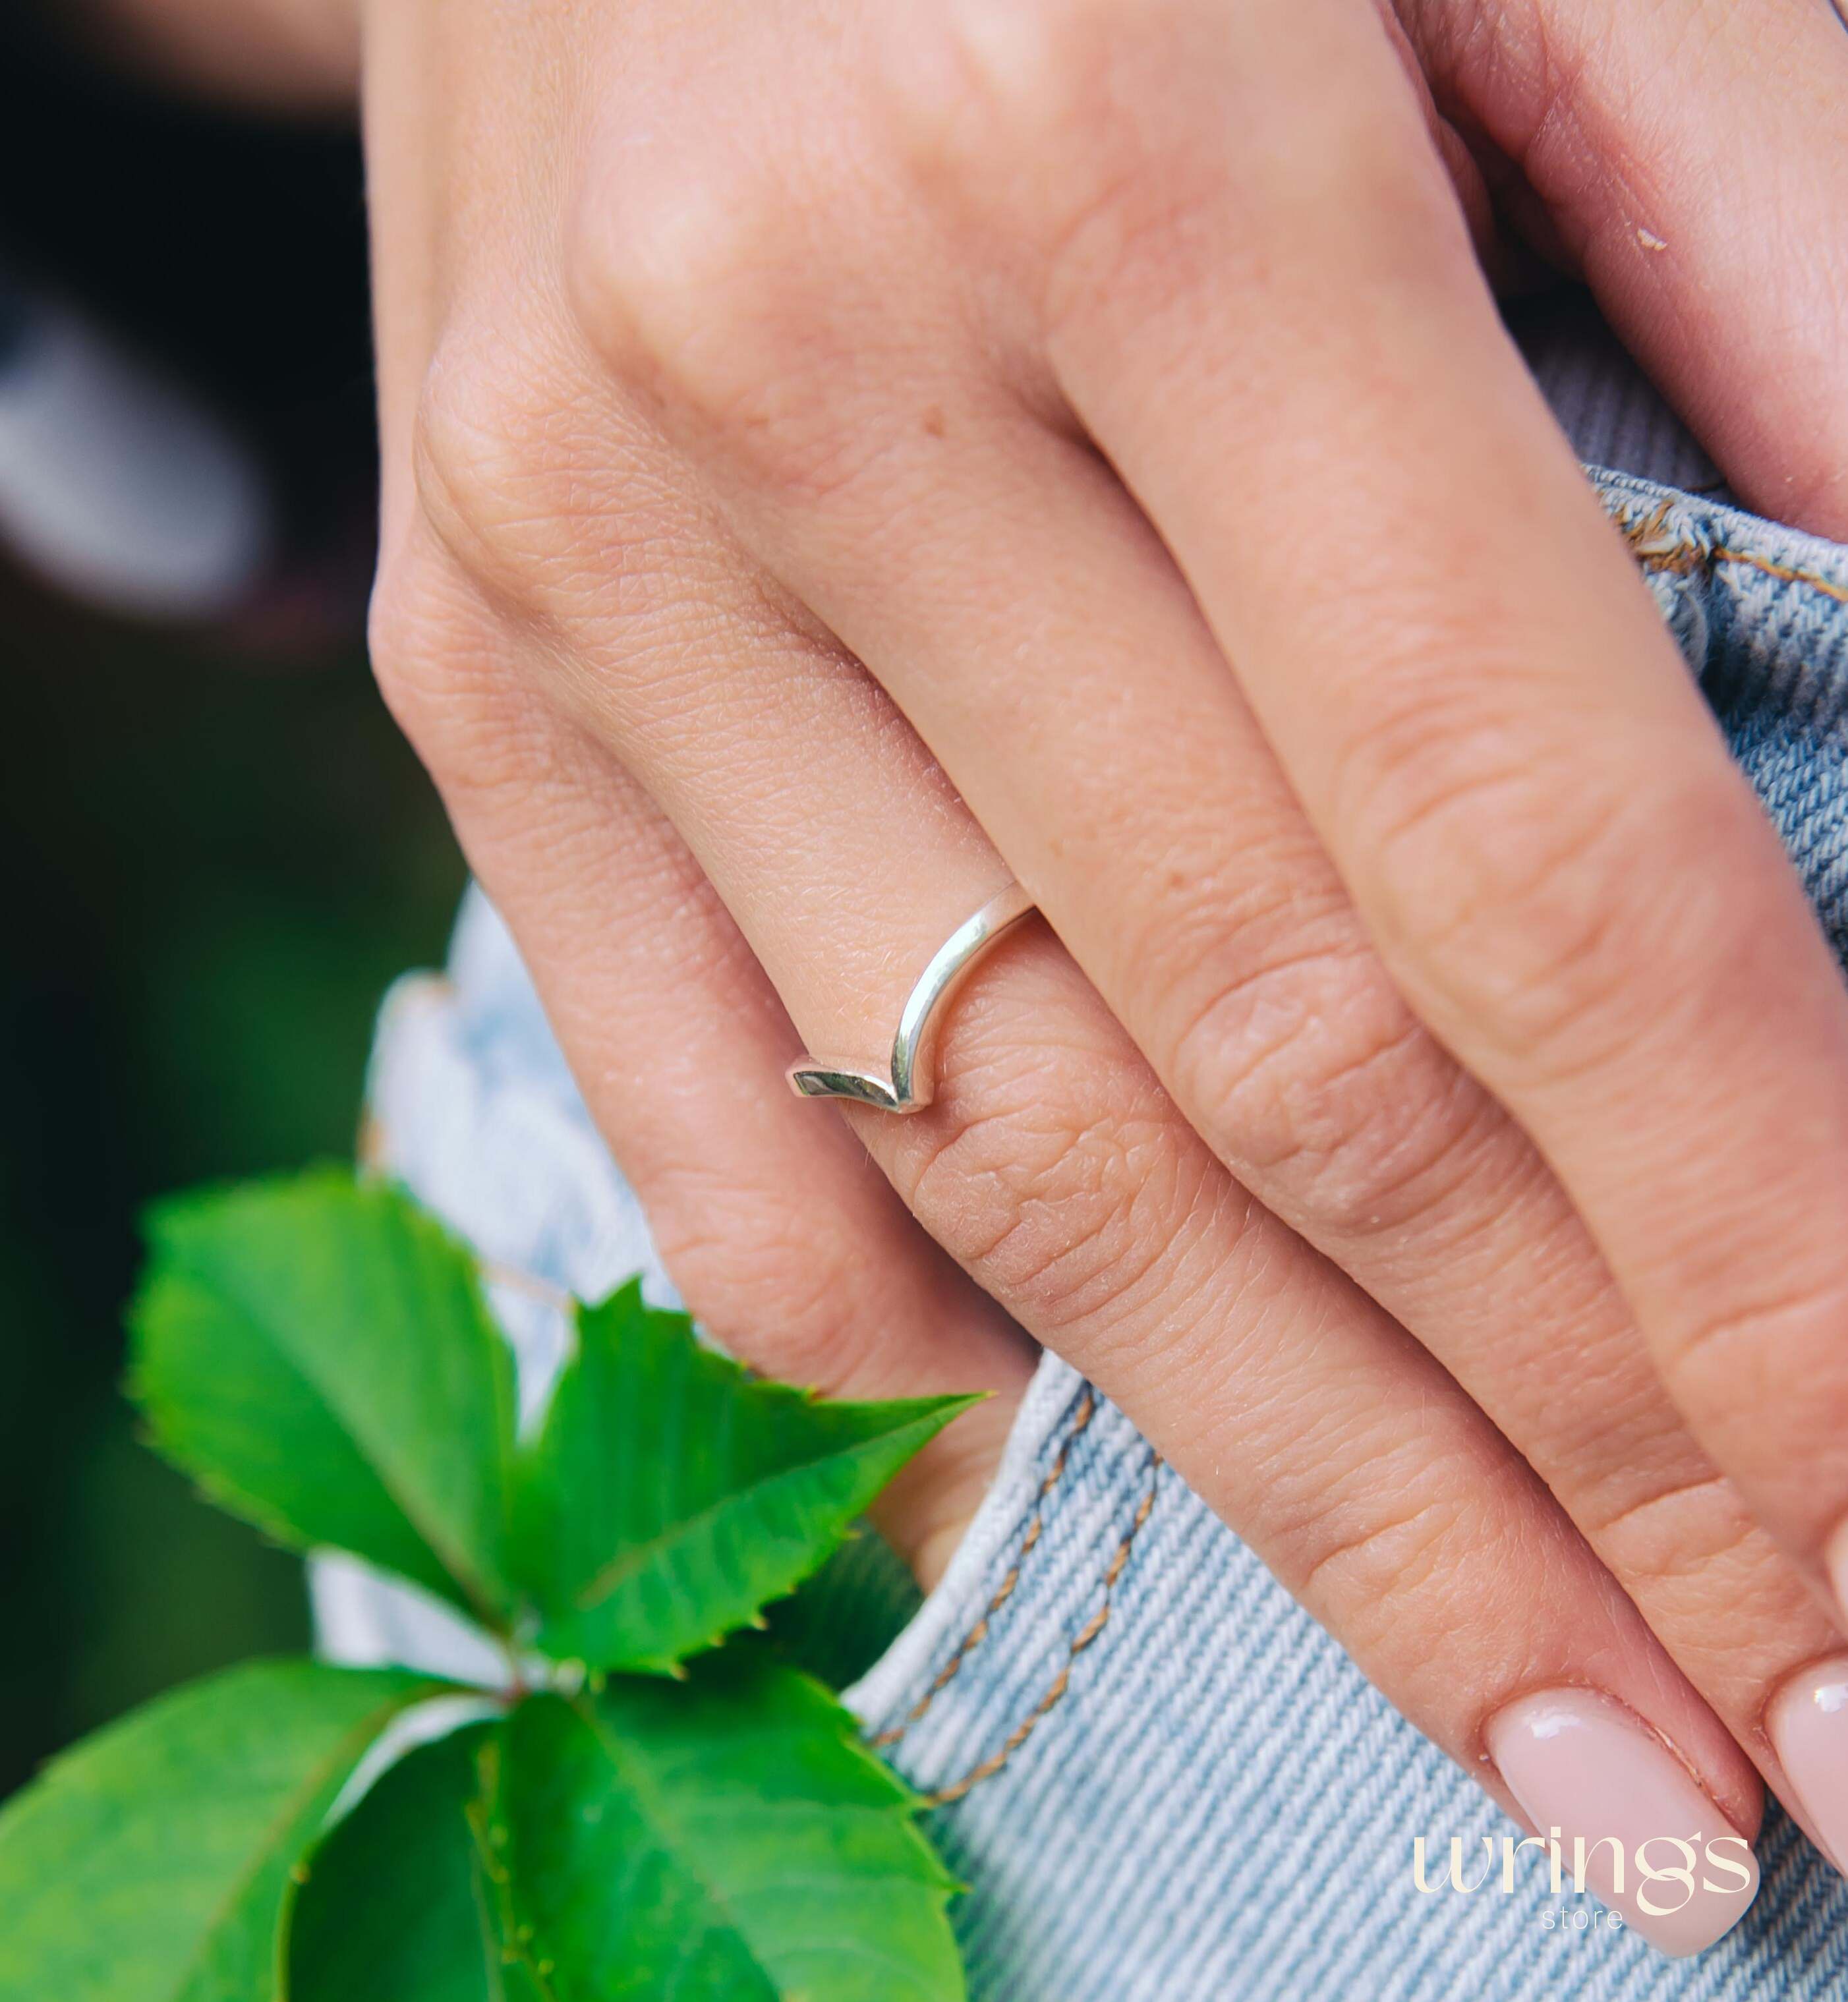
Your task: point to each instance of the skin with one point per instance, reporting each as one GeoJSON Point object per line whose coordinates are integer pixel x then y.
{"type": "Point", "coordinates": [292, 57]}
{"type": "Point", "coordinates": [835, 457]}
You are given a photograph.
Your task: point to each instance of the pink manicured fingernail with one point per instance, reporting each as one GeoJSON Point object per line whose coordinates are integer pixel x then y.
{"type": "Point", "coordinates": [1585, 1770]}
{"type": "Point", "coordinates": [1808, 1723]}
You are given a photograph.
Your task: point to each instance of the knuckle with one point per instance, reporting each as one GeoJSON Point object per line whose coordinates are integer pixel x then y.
{"type": "Point", "coordinates": [659, 252]}
{"type": "Point", "coordinates": [1429, 783]}
{"type": "Point", "coordinates": [1066, 1190]}
{"type": "Point", "coordinates": [1702, 1569]}
{"type": "Point", "coordinates": [1114, 209]}
{"type": "Point", "coordinates": [404, 605]}
{"type": "Point", "coordinates": [691, 281]}
{"type": "Point", "coordinates": [1060, 1216]}
{"type": "Point", "coordinates": [1303, 1068]}
{"type": "Point", "coordinates": [1022, 73]}
{"type": "Point", "coordinates": [1530, 893]}
{"type": "Point", "coordinates": [1672, 1526]}
{"type": "Point", "coordinates": [1035, 115]}
{"type": "Point", "coordinates": [1402, 1537]}
{"type": "Point", "coordinates": [551, 504]}
{"type": "Point", "coordinates": [420, 630]}
{"type": "Point", "coordinates": [440, 657]}
{"type": "Point", "coordinates": [494, 458]}
{"type": "Point", "coordinates": [1147, 160]}
{"type": "Point", "coordinates": [1754, 1349]}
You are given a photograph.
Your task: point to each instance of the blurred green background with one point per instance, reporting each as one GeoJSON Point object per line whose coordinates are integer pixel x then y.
{"type": "Point", "coordinates": [213, 874]}
{"type": "Point", "coordinates": [216, 856]}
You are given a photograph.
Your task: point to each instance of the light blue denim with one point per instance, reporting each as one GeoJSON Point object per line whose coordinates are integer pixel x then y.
{"type": "Point", "coordinates": [1170, 1784]}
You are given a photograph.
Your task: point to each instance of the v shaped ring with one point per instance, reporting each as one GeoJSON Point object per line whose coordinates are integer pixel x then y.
{"type": "Point", "coordinates": [911, 1082]}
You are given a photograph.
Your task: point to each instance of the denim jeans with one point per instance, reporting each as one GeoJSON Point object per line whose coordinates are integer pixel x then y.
{"type": "Point", "coordinates": [1162, 1781]}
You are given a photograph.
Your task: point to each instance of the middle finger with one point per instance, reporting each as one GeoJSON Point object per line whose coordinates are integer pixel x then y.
{"type": "Point", "coordinates": [1059, 668]}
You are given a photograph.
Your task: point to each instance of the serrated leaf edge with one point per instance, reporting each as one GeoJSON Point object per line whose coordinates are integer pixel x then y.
{"type": "Point", "coordinates": [477, 1594]}
{"type": "Point", "coordinates": [629, 1562]}
{"type": "Point", "coordinates": [906, 1804]}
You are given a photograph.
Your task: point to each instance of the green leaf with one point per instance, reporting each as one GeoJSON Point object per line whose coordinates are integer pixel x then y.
{"type": "Point", "coordinates": [838, 1622]}
{"type": "Point", "coordinates": [725, 1840]}
{"type": "Point", "coordinates": [400, 1904]}
{"type": "Point", "coordinates": [669, 1497]}
{"type": "Point", "coordinates": [318, 1355]}
{"type": "Point", "coordinates": [151, 1864]}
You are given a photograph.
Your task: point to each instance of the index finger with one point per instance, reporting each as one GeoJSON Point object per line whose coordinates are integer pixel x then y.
{"type": "Point", "coordinates": [1693, 157]}
{"type": "Point", "coordinates": [1297, 369]}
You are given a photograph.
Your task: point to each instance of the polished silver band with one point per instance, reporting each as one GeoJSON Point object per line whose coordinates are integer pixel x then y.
{"type": "Point", "coordinates": [912, 1082]}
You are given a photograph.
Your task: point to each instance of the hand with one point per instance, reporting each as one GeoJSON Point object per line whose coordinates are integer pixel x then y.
{"type": "Point", "coordinates": [836, 458]}
{"type": "Point", "coordinates": [295, 56]}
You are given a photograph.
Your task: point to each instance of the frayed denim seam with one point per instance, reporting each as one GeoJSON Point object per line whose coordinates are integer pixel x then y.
{"type": "Point", "coordinates": [1689, 556]}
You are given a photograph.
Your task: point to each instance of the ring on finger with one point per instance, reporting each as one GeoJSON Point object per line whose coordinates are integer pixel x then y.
{"type": "Point", "coordinates": [910, 1083]}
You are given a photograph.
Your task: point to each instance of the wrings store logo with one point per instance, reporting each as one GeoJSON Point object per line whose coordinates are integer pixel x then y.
{"type": "Point", "coordinates": [1661, 1874]}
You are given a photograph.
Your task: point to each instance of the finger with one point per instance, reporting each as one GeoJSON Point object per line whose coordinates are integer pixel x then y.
{"type": "Point", "coordinates": [1533, 812]}
{"type": "Point", "coordinates": [789, 1249]}
{"type": "Point", "coordinates": [1155, 829]}
{"type": "Point", "coordinates": [1693, 157]}
{"type": "Point", "coordinates": [1114, 762]}
{"type": "Point", "coordinates": [1057, 1173]}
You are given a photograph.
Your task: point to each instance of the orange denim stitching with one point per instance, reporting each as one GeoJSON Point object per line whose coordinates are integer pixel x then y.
{"type": "Point", "coordinates": [1683, 557]}
{"type": "Point", "coordinates": [1061, 1683]}
{"type": "Point", "coordinates": [1087, 1410]}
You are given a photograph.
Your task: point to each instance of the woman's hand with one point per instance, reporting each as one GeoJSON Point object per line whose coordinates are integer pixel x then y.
{"type": "Point", "coordinates": [287, 55]}
{"type": "Point", "coordinates": [836, 458]}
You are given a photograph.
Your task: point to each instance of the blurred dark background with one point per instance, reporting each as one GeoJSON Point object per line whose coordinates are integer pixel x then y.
{"type": "Point", "coordinates": [218, 854]}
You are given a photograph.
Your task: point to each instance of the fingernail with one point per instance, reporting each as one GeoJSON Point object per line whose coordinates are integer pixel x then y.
{"type": "Point", "coordinates": [1809, 1723]}
{"type": "Point", "coordinates": [1586, 1770]}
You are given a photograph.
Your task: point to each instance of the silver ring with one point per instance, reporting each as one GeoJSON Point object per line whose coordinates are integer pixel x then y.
{"type": "Point", "coordinates": [912, 1083]}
